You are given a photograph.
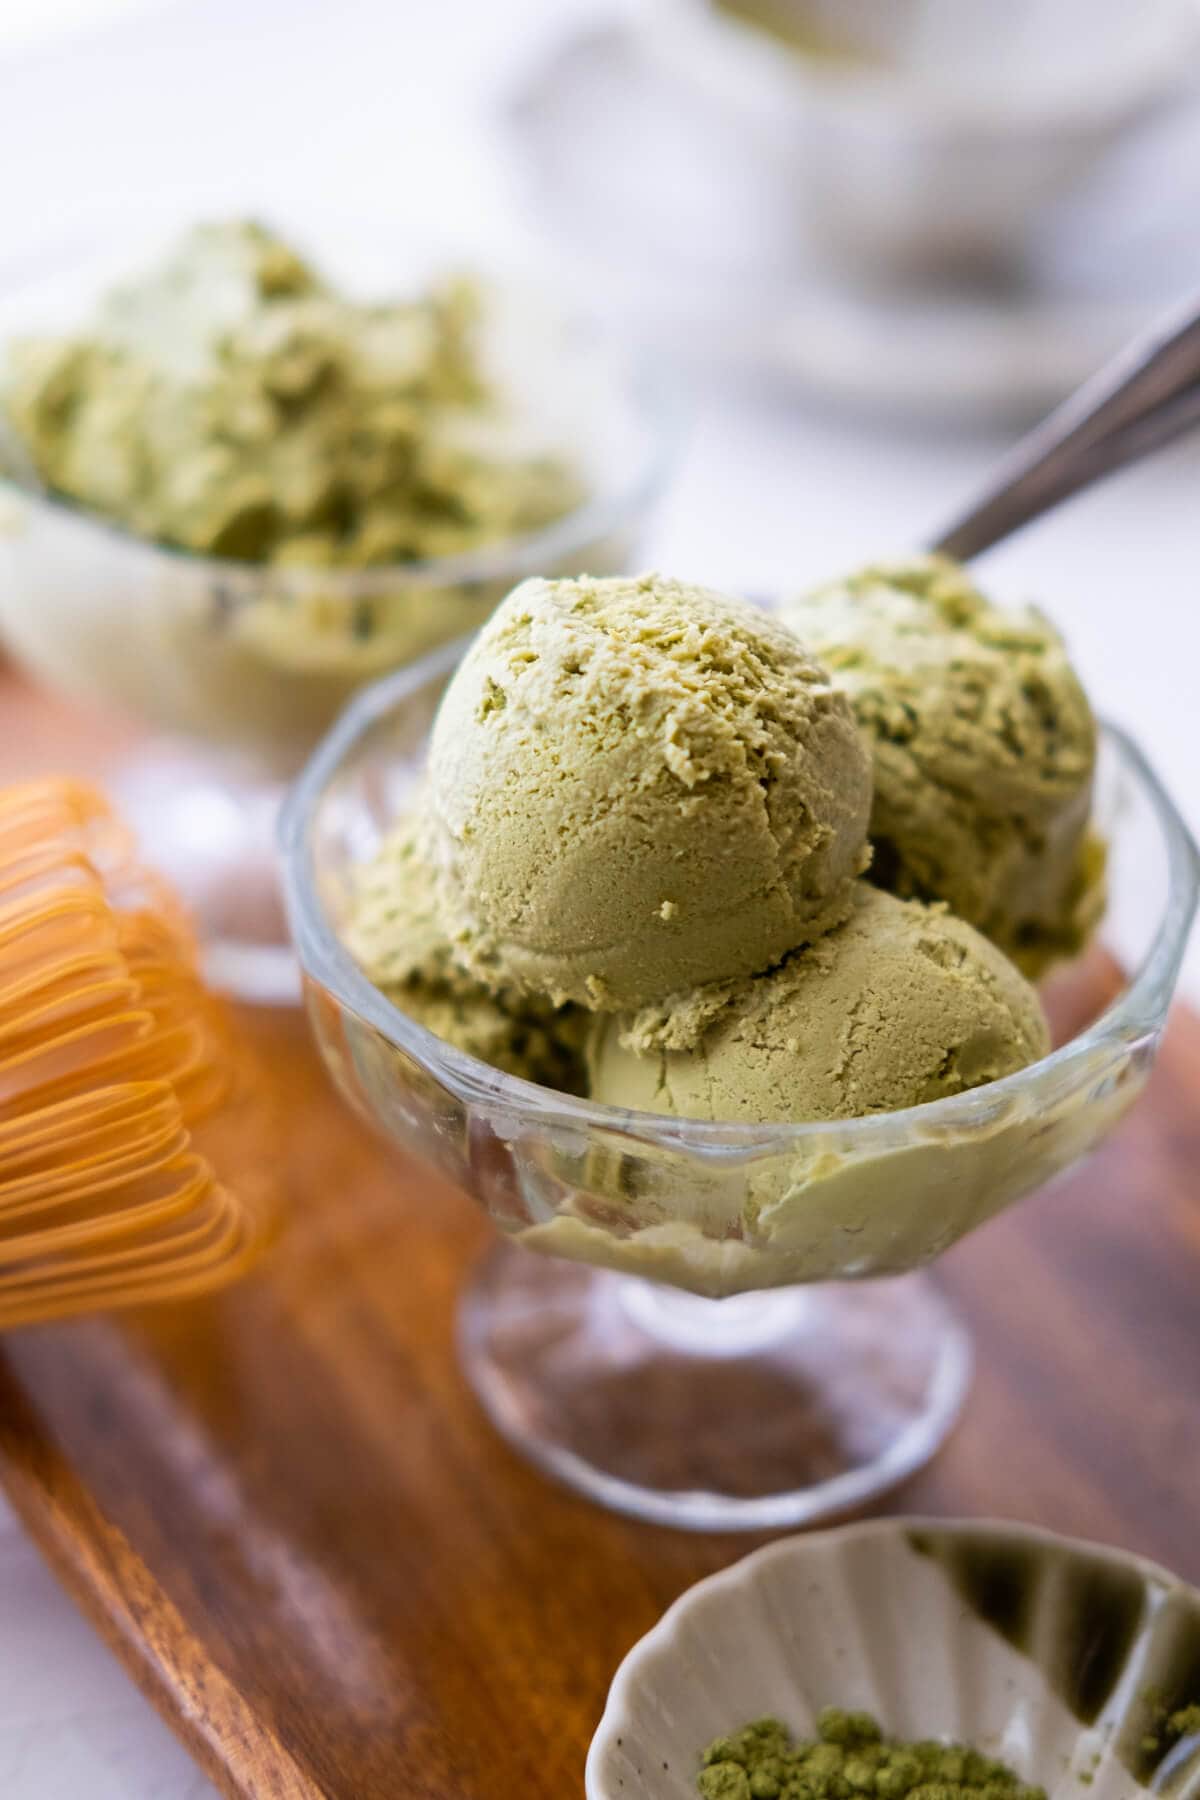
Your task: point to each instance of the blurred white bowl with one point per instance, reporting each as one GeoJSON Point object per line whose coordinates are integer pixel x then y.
{"type": "Point", "coordinates": [925, 136]}
{"type": "Point", "coordinates": [1047, 1652]}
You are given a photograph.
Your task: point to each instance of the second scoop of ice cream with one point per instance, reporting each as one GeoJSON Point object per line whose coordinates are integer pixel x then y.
{"type": "Point", "coordinates": [639, 786]}
{"type": "Point", "coordinates": [902, 1004]}
{"type": "Point", "coordinates": [984, 747]}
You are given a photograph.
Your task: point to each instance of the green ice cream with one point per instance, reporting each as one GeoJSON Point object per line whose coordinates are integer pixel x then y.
{"type": "Point", "coordinates": [231, 403]}
{"type": "Point", "coordinates": [984, 750]}
{"type": "Point", "coordinates": [638, 786]}
{"type": "Point", "coordinates": [902, 1004]}
{"type": "Point", "coordinates": [643, 791]}
{"type": "Point", "coordinates": [395, 934]}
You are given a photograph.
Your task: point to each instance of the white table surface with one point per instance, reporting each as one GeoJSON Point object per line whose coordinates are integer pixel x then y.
{"type": "Point", "coordinates": [249, 101]}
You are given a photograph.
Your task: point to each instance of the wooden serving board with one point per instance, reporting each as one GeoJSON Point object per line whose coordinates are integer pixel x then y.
{"type": "Point", "coordinates": [284, 1509]}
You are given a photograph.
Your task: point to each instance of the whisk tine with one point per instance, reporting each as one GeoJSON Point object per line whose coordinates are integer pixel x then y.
{"type": "Point", "coordinates": [111, 1053]}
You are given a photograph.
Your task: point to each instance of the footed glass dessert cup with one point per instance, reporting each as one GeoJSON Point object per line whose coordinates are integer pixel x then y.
{"type": "Point", "coordinates": [239, 667]}
{"type": "Point", "coordinates": [697, 1342]}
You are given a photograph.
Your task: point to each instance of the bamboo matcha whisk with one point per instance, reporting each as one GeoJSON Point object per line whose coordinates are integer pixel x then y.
{"type": "Point", "coordinates": [117, 1072]}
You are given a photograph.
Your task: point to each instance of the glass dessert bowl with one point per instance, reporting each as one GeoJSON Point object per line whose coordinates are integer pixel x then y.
{"type": "Point", "coordinates": [698, 1345]}
{"type": "Point", "coordinates": [245, 664]}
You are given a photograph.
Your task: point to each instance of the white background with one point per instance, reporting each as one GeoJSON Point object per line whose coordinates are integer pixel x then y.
{"type": "Point", "coordinates": [370, 105]}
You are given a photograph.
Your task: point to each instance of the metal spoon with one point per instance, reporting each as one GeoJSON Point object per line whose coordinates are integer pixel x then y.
{"type": "Point", "coordinates": [1144, 398]}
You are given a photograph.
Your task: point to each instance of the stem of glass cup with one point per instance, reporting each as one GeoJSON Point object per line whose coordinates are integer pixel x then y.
{"type": "Point", "coordinates": [737, 1326]}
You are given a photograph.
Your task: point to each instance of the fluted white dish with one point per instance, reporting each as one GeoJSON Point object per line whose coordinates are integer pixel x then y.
{"type": "Point", "coordinates": [1046, 1651]}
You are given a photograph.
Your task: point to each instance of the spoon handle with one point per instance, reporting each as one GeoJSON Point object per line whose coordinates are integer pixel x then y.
{"type": "Point", "coordinates": [1147, 395]}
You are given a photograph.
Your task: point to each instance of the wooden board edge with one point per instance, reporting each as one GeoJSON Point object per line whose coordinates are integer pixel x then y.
{"type": "Point", "coordinates": [121, 1600]}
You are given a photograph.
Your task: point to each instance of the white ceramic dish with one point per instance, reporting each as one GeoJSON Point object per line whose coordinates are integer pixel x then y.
{"type": "Point", "coordinates": [1037, 1648]}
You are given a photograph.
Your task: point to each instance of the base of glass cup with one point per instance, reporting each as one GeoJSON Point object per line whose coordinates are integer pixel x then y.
{"type": "Point", "coordinates": [209, 827]}
{"type": "Point", "coordinates": [759, 1412]}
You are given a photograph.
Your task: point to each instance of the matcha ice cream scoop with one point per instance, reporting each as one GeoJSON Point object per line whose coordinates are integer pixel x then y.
{"type": "Point", "coordinates": [984, 747]}
{"type": "Point", "coordinates": [638, 786]}
{"type": "Point", "coordinates": [394, 932]}
{"type": "Point", "coordinates": [902, 1004]}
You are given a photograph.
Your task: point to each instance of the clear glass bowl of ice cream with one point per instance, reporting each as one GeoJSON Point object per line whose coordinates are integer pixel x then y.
{"type": "Point", "coordinates": [721, 1325]}
{"type": "Point", "coordinates": [226, 552]}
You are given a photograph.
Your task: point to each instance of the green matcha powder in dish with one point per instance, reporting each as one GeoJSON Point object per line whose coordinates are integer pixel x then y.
{"type": "Point", "coordinates": [850, 1757]}
{"type": "Point", "coordinates": [233, 404]}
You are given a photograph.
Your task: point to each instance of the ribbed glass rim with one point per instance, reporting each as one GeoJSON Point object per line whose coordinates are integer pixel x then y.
{"type": "Point", "coordinates": [1138, 1010]}
{"type": "Point", "coordinates": [659, 408]}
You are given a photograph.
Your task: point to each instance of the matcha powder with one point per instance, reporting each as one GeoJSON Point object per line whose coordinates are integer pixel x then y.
{"type": "Point", "coordinates": [850, 1757]}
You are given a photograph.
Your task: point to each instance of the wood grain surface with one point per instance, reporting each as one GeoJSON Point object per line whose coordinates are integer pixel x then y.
{"type": "Point", "coordinates": [284, 1509]}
